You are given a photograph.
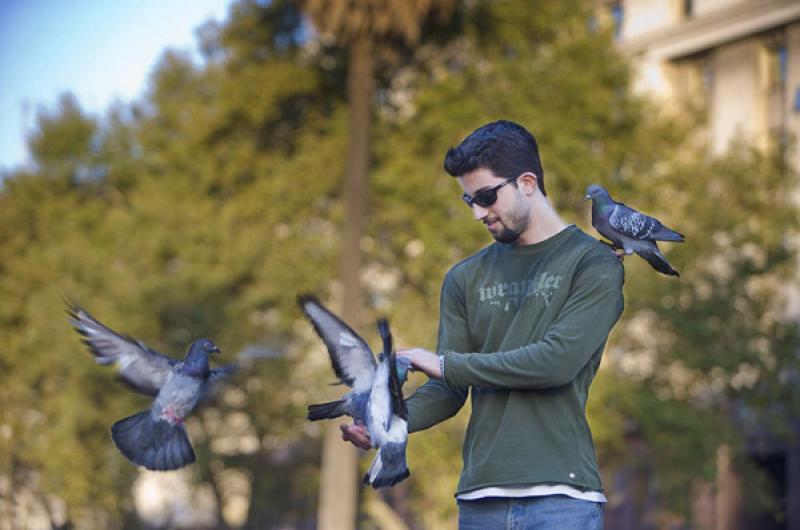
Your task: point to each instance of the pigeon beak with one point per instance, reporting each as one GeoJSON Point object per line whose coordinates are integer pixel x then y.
{"type": "Point", "coordinates": [216, 350]}
{"type": "Point", "coordinates": [587, 197]}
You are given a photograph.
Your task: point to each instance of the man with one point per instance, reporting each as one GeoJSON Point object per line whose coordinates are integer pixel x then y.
{"type": "Point", "coordinates": [523, 324]}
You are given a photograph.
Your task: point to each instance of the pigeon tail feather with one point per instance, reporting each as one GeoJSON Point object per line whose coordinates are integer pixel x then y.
{"type": "Point", "coordinates": [152, 443]}
{"type": "Point", "coordinates": [386, 481]}
{"type": "Point", "coordinates": [657, 261]}
{"type": "Point", "coordinates": [329, 410]}
{"type": "Point", "coordinates": [666, 234]}
{"type": "Point", "coordinates": [385, 472]}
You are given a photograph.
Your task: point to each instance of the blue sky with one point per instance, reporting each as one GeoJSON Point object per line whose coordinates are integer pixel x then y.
{"type": "Point", "coordinates": [100, 50]}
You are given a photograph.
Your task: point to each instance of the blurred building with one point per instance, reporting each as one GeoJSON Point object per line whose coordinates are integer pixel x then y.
{"type": "Point", "coordinates": [736, 60]}
{"type": "Point", "coordinates": [737, 63]}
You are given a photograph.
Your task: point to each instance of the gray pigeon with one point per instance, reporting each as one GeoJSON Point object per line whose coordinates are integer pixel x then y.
{"type": "Point", "coordinates": [155, 438]}
{"type": "Point", "coordinates": [376, 398]}
{"type": "Point", "coordinates": [630, 231]}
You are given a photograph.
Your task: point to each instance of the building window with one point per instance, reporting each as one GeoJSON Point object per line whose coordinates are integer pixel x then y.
{"type": "Point", "coordinates": [618, 16]}
{"type": "Point", "coordinates": [774, 77]}
{"type": "Point", "coordinates": [783, 63]}
{"type": "Point", "coordinates": [681, 10]}
{"type": "Point", "coordinates": [777, 65]}
{"type": "Point", "coordinates": [687, 8]}
{"type": "Point", "coordinates": [692, 80]}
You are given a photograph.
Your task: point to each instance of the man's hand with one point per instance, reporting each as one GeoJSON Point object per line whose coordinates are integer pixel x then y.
{"type": "Point", "coordinates": [423, 360]}
{"type": "Point", "coordinates": [356, 434]}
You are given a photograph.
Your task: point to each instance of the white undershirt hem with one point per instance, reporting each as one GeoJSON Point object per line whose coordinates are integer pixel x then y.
{"type": "Point", "coordinates": [538, 490]}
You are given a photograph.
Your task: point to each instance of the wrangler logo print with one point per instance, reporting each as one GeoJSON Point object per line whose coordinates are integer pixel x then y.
{"type": "Point", "coordinates": [506, 294]}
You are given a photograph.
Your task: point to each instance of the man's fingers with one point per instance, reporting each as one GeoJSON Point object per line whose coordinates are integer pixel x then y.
{"type": "Point", "coordinates": [345, 432]}
{"type": "Point", "coordinates": [357, 435]}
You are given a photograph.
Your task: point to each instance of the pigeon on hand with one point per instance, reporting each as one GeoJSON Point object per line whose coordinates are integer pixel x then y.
{"type": "Point", "coordinates": [376, 398]}
{"type": "Point", "coordinates": [387, 419]}
{"type": "Point", "coordinates": [630, 231]}
{"type": "Point", "coordinates": [155, 438]}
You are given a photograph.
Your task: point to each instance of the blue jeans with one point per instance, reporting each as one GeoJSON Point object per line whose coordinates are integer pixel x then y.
{"type": "Point", "coordinates": [551, 512]}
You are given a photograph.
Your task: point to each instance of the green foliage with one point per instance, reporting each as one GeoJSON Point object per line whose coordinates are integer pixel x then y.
{"type": "Point", "coordinates": [716, 350]}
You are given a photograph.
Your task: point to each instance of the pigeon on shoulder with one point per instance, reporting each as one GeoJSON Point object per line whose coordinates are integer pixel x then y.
{"type": "Point", "coordinates": [155, 438]}
{"type": "Point", "coordinates": [376, 396]}
{"type": "Point", "coordinates": [630, 231]}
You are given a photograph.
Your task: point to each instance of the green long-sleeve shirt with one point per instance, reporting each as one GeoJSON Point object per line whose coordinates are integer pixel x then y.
{"type": "Point", "coordinates": [524, 327]}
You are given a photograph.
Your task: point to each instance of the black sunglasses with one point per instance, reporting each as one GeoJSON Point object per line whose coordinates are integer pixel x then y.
{"type": "Point", "coordinates": [486, 197]}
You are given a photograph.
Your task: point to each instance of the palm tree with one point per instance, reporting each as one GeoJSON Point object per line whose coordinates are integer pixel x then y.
{"type": "Point", "coordinates": [362, 27]}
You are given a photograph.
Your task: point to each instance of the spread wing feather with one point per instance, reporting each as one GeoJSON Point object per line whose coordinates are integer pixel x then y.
{"type": "Point", "coordinates": [352, 359]}
{"type": "Point", "coordinates": [395, 387]}
{"type": "Point", "coordinates": [140, 367]}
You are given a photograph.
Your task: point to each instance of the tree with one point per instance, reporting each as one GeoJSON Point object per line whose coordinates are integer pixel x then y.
{"type": "Point", "coordinates": [198, 211]}
{"type": "Point", "coordinates": [713, 355]}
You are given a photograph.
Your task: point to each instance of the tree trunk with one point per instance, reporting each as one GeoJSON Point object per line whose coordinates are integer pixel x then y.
{"type": "Point", "coordinates": [729, 495]}
{"type": "Point", "coordinates": [339, 481]}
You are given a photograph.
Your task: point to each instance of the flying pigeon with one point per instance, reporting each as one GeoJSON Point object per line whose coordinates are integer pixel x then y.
{"type": "Point", "coordinates": [155, 438]}
{"type": "Point", "coordinates": [376, 398]}
{"type": "Point", "coordinates": [630, 231]}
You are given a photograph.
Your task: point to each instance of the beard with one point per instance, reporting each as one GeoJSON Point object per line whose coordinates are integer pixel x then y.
{"type": "Point", "coordinates": [513, 224]}
{"type": "Point", "coordinates": [506, 235]}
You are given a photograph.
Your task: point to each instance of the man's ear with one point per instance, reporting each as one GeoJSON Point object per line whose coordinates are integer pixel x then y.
{"type": "Point", "coordinates": [528, 182]}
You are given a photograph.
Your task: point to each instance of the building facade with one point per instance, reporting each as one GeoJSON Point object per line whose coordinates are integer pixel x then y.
{"type": "Point", "coordinates": [737, 60]}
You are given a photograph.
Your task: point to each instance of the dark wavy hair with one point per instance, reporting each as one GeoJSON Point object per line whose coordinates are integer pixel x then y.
{"type": "Point", "coordinates": [504, 147]}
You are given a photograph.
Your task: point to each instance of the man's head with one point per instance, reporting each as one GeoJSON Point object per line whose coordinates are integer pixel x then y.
{"type": "Point", "coordinates": [499, 169]}
{"type": "Point", "coordinates": [505, 148]}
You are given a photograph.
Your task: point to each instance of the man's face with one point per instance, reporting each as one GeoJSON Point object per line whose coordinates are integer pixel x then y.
{"type": "Point", "coordinates": [508, 217]}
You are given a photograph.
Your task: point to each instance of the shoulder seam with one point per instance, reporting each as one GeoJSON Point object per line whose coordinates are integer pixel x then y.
{"type": "Point", "coordinates": [472, 257]}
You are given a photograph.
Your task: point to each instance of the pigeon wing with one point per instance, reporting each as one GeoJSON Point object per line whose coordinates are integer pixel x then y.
{"type": "Point", "coordinates": [395, 385]}
{"type": "Point", "coordinates": [631, 223]}
{"type": "Point", "coordinates": [351, 357]}
{"type": "Point", "coordinates": [217, 374]}
{"type": "Point", "coordinates": [396, 390]}
{"type": "Point", "coordinates": [210, 389]}
{"type": "Point", "coordinates": [145, 370]}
